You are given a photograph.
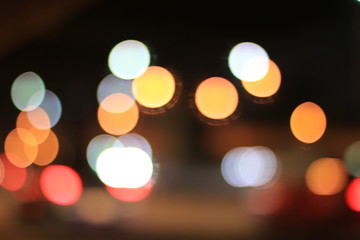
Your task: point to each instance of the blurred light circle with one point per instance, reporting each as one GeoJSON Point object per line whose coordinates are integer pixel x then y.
{"type": "Point", "coordinates": [14, 177]}
{"type": "Point", "coordinates": [27, 91]}
{"type": "Point", "coordinates": [308, 122]}
{"type": "Point", "coordinates": [326, 176]}
{"type": "Point", "coordinates": [39, 118]}
{"type": "Point", "coordinates": [112, 84]}
{"type": "Point", "coordinates": [96, 206]}
{"type": "Point", "coordinates": [136, 140]}
{"type": "Point", "coordinates": [352, 159]}
{"type": "Point", "coordinates": [47, 150]}
{"type": "Point", "coordinates": [249, 166]}
{"type": "Point", "coordinates": [128, 167]}
{"type": "Point", "coordinates": [216, 98]}
{"type": "Point", "coordinates": [267, 85]}
{"type": "Point", "coordinates": [21, 151]}
{"type": "Point", "coordinates": [117, 103]}
{"type": "Point", "coordinates": [61, 184]}
{"type": "Point", "coordinates": [129, 59]}
{"type": "Point", "coordinates": [130, 194]}
{"type": "Point", "coordinates": [352, 195]}
{"type": "Point", "coordinates": [248, 61]}
{"type": "Point", "coordinates": [122, 117]}
{"type": "Point", "coordinates": [97, 145]}
{"type": "Point", "coordinates": [155, 88]}
{"type": "Point", "coordinates": [23, 122]}
{"type": "Point", "coordinates": [52, 106]}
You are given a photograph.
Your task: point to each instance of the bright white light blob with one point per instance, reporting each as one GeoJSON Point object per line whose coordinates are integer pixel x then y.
{"type": "Point", "coordinates": [129, 59]}
{"type": "Point", "coordinates": [136, 140]}
{"type": "Point", "coordinates": [248, 61]}
{"type": "Point", "coordinates": [249, 166]}
{"type": "Point", "coordinates": [127, 167]}
{"type": "Point", "coordinates": [112, 84]}
{"type": "Point", "coordinates": [27, 91]}
{"type": "Point", "coordinates": [97, 145]}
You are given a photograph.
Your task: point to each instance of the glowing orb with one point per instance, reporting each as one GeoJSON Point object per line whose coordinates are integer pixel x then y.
{"type": "Point", "coordinates": [266, 86]}
{"type": "Point", "coordinates": [129, 59]}
{"type": "Point", "coordinates": [249, 166]}
{"type": "Point", "coordinates": [248, 61]}
{"type": "Point", "coordinates": [112, 84]}
{"type": "Point", "coordinates": [61, 184]}
{"type": "Point", "coordinates": [352, 195]}
{"type": "Point", "coordinates": [326, 176]}
{"type": "Point", "coordinates": [308, 122]}
{"type": "Point", "coordinates": [128, 167]}
{"type": "Point", "coordinates": [27, 91]}
{"type": "Point", "coordinates": [216, 98]}
{"type": "Point", "coordinates": [154, 88]}
{"type": "Point", "coordinates": [352, 159]}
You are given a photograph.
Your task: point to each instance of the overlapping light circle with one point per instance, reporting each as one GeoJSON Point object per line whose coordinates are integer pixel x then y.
{"type": "Point", "coordinates": [27, 91]}
{"type": "Point", "coordinates": [129, 59]}
{"type": "Point", "coordinates": [249, 166]}
{"type": "Point", "coordinates": [111, 85]}
{"type": "Point", "coordinates": [248, 61]}
{"type": "Point", "coordinates": [127, 167]}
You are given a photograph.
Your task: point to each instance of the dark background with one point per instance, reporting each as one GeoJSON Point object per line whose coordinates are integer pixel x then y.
{"type": "Point", "coordinates": [316, 45]}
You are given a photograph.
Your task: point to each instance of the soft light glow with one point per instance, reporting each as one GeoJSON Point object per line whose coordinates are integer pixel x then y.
{"type": "Point", "coordinates": [39, 118]}
{"type": "Point", "coordinates": [326, 176]}
{"type": "Point", "coordinates": [130, 194]}
{"type": "Point", "coordinates": [23, 122]}
{"type": "Point", "coordinates": [14, 177]}
{"type": "Point", "coordinates": [19, 152]}
{"type": "Point", "coordinates": [128, 167]}
{"type": "Point", "coordinates": [352, 159]}
{"type": "Point", "coordinates": [129, 59]}
{"type": "Point", "coordinates": [96, 206]}
{"type": "Point", "coordinates": [249, 166]}
{"type": "Point", "coordinates": [122, 117]}
{"type": "Point", "coordinates": [216, 98]}
{"type": "Point", "coordinates": [97, 145]}
{"type": "Point", "coordinates": [136, 140]}
{"type": "Point", "coordinates": [155, 88]}
{"type": "Point", "coordinates": [352, 195]}
{"type": "Point", "coordinates": [266, 86]}
{"type": "Point", "coordinates": [47, 150]}
{"type": "Point", "coordinates": [248, 61]}
{"type": "Point", "coordinates": [27, 91]}
{"type": "Point", "coordinates": [308, 122]}
{"type": "Point", "coordinates": [61, 184]}
{"type": "Point", "coordinates": [52, 106]}
{"type": "Point", "coordinates": [112, 84]}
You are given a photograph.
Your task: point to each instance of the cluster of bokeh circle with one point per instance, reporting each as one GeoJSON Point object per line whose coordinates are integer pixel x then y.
{"type": "Point", "coordinates": [123, 161]}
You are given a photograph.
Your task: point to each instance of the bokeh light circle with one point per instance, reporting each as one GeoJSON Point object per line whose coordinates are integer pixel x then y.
{"type": "Point", "coordinates": [248, 61]}
{"type": "Point", "coordinates": [326, 176]}
{"type": "Point", "coordinates": [136, 140]}
{"type": "Point", "coordinates": [52, 106]}
{"type": "Point", "coordinates": [128, 167]}
{"type": "Point", "coordinates": [121, 116]}
{"type": "Point", "coordinates": [97, 145]}
{"type": "Point", "coordinates": [14, 177]}
{"type": "Point", "coordinates": [216, 98]}
{"type": "Point", "coordinates": [27, 91]}
{"type": "Point", "coordinates": [21, 147]}
{"type": "Point", "coordinates": [130, 194]}
{"type": "Point", "coordinates": [308, 122]}
{"type": "Point", "coordinates": [352, 195]}
{"type": "Point", "coordinates": [61, 184]}
{"type": "Point", "coordinates": [155, 88]}
{"type": "Point", "coordinates": [352, 159]}
{"type": "Point", "coordinates": [112, 84]}
{"type": "Point", "coordinates": [129, 59]}
{"type": "Point", "coordinates": [249, 166]}
{"type": "Point", "coordinates": [267, 85]}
